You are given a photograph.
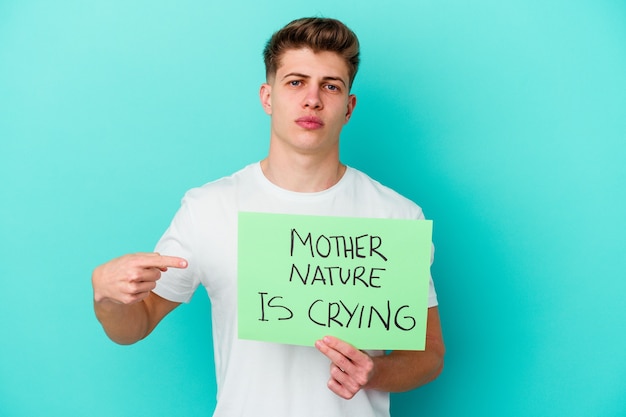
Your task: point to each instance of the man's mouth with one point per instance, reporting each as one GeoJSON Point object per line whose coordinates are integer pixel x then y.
{"type": "Point", "coordinates": [309, 122]}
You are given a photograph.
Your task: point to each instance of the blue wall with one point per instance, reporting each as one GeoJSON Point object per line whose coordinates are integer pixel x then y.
{"type": "Point", "coordinates": [505, 121]}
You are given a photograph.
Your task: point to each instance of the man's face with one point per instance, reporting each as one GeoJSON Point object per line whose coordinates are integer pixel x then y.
{"type": "Point", "coordinates": [309, 101]}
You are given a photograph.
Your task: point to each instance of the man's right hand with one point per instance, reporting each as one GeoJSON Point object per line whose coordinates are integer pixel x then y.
{"type": "Point", "coordinates": [130, 278]}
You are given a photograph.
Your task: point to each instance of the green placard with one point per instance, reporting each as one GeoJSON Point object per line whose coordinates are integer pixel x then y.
{"type": "Point", "coordinates": [362, 280]}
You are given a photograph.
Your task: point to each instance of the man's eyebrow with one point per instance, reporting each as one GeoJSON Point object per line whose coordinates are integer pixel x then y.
{"type": "Point", "coordinates": [296, 74]}
{"type": "Point", "coordinates": [335, 79]}
{"type": "Point", "coordinates": [327, 78]}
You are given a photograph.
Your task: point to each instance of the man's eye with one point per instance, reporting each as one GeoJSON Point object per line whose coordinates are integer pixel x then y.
{"type": "Point", "coordinates": [332, 87]}
{"type": "Point", "coordinates": [295, 83]}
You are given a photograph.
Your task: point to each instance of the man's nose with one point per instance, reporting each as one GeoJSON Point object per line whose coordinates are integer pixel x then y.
{"type": "Point", "coordinates": [313, 100]}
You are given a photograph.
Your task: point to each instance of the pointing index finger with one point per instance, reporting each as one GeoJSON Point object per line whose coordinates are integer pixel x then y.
{"type": "Point", "coordinates": [162, 262]}
{"type": "Point", "coordinates": [172, 262]}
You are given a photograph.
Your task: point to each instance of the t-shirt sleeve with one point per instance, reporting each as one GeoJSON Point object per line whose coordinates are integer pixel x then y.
{"type": "Point", "coordinates": [178, 240]}
{"type": "Point", "coordinates": [432, 294]}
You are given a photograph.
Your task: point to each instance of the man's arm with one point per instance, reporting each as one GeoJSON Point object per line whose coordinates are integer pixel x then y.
{"type": "Point", "coordinates": [353, 370]}
{"type": "Point", "coordinates": [123, 299]}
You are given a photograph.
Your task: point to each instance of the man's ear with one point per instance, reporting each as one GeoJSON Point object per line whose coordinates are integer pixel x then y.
{"type": "Point", "coordinates": [351, 106]}
{"type": "Point", "coordinates": [265, 94]}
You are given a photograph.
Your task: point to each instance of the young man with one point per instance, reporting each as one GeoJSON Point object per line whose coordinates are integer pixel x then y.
{"type": "Point", "coordinates": [310, 66]}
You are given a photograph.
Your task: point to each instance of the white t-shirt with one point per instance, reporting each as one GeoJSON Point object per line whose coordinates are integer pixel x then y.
{"type": "Point", "coordinates": [264, 379]}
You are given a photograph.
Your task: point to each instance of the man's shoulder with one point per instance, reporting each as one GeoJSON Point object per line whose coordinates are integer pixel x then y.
{"type": "Point", "coordinates": [223, 185]}
{"type": "Point", "coordinates": [381, 194]}
{"type": "Point", "coordinates": [364, 182]}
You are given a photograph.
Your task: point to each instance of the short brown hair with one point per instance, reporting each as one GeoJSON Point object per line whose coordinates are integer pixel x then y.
{"type": "Point", "coordinates": [318, 34]}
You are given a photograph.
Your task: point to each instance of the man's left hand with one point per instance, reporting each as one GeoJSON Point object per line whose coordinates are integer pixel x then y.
{"type": "Point", "coordinates": [350, 368]}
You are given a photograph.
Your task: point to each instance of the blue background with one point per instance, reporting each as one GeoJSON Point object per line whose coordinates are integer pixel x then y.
{"type": "Point", "coordinates": [504, 120]}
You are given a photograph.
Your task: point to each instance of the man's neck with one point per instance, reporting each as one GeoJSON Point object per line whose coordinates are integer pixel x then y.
{"type": "Point", "coordinates": [305, 174]}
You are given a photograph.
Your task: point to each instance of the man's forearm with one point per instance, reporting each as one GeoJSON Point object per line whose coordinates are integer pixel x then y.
{"type": "Point", "coordinates": [405, 370]}
{"type": "Point", "coordinates": [123, 299]}
{"type": "Point", "coordinates": [124, 324]}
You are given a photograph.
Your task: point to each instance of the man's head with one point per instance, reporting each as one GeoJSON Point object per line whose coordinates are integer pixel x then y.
{"type": "Point", "coordinates": [319, 35]}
